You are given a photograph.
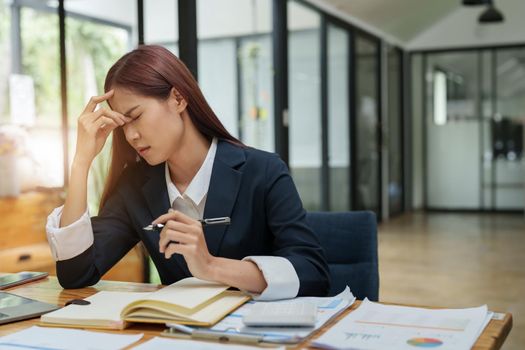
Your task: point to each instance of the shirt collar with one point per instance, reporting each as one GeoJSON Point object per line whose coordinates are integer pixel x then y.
{"type": "Point", "coordinates": [198, 187]}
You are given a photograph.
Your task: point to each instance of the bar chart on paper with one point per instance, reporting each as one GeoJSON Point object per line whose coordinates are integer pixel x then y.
{"type": "Point", "coordinates": [376, 326]}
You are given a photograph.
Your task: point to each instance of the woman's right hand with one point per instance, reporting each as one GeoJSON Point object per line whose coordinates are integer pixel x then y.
{"type": "Point", "coordinates": [94, 127]}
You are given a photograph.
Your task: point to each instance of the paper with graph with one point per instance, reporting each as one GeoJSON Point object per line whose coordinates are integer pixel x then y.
{"type": "Point", "coordinates": [327, 308]}
{"type": "Point", "coordinates": [377, 326]}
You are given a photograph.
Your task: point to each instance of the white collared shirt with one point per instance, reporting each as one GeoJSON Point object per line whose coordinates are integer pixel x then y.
{"type": "Point", "coordinates": [193, 200]}
{"type": "Point", "coordinates": [67, 242]}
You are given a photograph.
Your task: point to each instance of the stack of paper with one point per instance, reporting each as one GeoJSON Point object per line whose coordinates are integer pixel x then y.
{"type": "Point", "coordinates": [327, 308]}
{"type": "Point", "coordinates": [64, 339]}
{"type": "Point", "coordinates": [170, 344]}
{"type": "Point", "coordinates": [377, 326]}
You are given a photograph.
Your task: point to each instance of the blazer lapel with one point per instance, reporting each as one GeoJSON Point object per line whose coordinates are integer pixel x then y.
{"type": "Point", "coordinates": [158, 202]}
{"type": "Point", "coordinates": [223, 190]}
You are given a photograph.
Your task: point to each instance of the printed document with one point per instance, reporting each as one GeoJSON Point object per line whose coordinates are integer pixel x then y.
{"type": "Point", "coordinates": [327, 308]}
{"type": "Point", "coordinates": [170, 344]}
{"type": "Point", "coordinates": [378, 326]}
{"type": "Point", "coordinates": [60, 338]}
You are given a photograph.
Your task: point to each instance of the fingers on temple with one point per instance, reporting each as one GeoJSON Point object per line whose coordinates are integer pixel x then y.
{"type": "Point", "coordinates": [95, 100]}
{"type": "Point", "coordinates": [105, 123]}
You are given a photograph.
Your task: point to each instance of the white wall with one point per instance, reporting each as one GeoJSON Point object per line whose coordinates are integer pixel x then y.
{"type": "Point", "coordinates": [462, 29]}
{"type": "Point", "coordinates": [233, 17]}
{"type": "Point", "coordinates": [301, 17]}
{"type": "Point", "coordinates": [120, 11]}
{"type": "Point", "coordinates": [347, 16]}
{"type": "Point", "coordinates": [215, 18]}
{"type": "Point", "coordinates": [161, 21]}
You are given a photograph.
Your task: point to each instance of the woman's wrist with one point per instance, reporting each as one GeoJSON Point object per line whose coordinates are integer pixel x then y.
{"type": "Point", "coordinates": [241, 274]}
{"type": "Point", "coordinates": [214, 268]}
{"type": "Point", "coordinates": [81, 163]}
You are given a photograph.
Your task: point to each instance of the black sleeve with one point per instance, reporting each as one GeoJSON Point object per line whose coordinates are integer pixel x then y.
{"type": "Point", "coordinates": [113, 238]}
{"type": "Point", "coordinates": [293, 238]}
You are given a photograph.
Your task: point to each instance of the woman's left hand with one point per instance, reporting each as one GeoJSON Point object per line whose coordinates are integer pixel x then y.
{"type": "Point", "coordinates": [184, 235]}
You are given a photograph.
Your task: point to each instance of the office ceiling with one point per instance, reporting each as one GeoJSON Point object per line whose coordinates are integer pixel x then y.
{"type": "Point", "coordinates": [403, 19]}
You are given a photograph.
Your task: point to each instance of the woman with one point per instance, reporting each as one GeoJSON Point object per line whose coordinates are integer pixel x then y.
{"type": "Point", "coordinates": [173, 163]}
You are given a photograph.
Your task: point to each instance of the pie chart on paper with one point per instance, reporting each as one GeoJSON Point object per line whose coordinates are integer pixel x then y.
{"type": "Point", "coordinates": [425, 342]}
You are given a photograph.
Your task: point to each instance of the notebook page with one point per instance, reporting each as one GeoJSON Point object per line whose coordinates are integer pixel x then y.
{"type": "Point", "coordinates": [104, 306]}
{"type": "Point", "coordinates": [188, 293]}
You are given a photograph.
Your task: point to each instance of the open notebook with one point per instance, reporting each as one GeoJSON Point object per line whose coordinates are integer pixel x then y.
{"type": "Point", "coordinates": [189, 301]}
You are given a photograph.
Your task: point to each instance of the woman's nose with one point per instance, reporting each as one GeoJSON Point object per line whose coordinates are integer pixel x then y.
{"type": "Point", "coordinates": [131, 132]}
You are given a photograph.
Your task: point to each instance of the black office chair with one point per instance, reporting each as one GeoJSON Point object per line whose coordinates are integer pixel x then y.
{"type": "Point", "coordinates": [350, 243]}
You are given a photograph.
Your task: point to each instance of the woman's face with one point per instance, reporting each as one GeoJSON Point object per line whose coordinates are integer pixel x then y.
{"type": "Point", "coordinates": [157, 128]}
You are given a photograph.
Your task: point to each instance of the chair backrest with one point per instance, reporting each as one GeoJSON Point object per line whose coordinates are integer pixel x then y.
{"type": "Point", "coordinates": [350, 243]}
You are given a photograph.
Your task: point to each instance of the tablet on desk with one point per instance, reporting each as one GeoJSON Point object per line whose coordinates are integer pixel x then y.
{"type": "Point", "coordinates": [15, 308]}
{"type": "Point", "coordinates": [15, 279]}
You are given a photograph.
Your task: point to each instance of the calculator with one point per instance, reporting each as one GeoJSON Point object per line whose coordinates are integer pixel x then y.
{"type": "Point", "coordinates": [281, 314]}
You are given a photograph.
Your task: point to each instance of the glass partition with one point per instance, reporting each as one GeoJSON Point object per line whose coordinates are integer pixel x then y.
{"type": "Point", "coordinates": [453, 162]}
{"type": "Point", "coordinates": [508, 161]}
{"type": "Point", "coordinates": [367, 125]}
{"type": "Point", "coordinates": [256, 85]}
{"type": "Point", "coordinates": [304, 83]}
{"type": "Point", "coordinates": [475, 149]}
{"type": "Point", "coordinates": [218, 79]}
{"type": "Point", "coordinates": [5, 65]}
{"type": "Point", "coordinates": [395, 127]}
{"type": "Point", "coordinates": [31, 154]}
{"type": "Point", "coordinates": [96, 36]}
{"type": "Point", "coordinates": [235, 66]}
{"type": "Point", "coordinates": [338, 118]}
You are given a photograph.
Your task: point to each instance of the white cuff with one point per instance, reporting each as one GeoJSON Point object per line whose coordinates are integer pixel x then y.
{"type": "Point", "coordinates": [69, 241]}
{"type": "Point", "coordinates": [281, 279]}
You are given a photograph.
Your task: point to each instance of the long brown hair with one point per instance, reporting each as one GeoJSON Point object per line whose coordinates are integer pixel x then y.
{"type": "Point", "coordinates": [152, 71]}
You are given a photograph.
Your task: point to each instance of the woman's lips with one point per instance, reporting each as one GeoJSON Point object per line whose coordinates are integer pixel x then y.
{"type": "Point", "coordinates": [143, 150]}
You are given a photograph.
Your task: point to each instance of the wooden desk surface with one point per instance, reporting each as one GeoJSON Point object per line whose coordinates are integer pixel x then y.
{"type": "Point", "coordinates": [48, 290]}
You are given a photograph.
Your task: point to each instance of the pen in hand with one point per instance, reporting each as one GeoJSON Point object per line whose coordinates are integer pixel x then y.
{"type": "Point", "coordinates": [204, 222]}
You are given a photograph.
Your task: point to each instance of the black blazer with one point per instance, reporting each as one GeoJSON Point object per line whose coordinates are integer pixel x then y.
{"type": "Point", "coordinates": [252, 187]}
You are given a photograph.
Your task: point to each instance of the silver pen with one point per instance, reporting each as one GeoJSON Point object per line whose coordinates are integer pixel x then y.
{"type": "Point", "coordinates": [204, 222]}
{"type": "Point", "coordinates": [228, 336]}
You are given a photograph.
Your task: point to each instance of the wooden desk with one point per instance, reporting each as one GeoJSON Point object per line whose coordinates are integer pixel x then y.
{"type": "Point", "coordinates": [48, 290]}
